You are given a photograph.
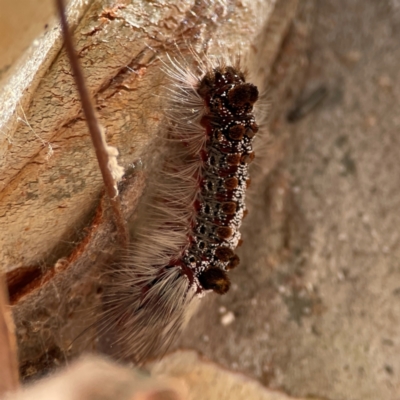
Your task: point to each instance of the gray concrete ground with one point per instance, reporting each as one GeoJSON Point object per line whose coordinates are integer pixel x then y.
{"type": "Point", "coordinates": [315, 307]}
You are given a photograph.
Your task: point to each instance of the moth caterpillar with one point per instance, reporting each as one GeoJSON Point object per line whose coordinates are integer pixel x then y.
{"type": "Point", "coordinates": [187, 226]}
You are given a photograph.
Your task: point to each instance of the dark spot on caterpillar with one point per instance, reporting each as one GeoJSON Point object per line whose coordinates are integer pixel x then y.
{"type": "Point", "coordinates": [231, 183]}
{"type": "Point", "coordinates": [215, 279]}
{"type": "Point", "coordinates": [248, 182]}
{"type": "Point", "coordinates": [224, 253]}
{"type": "Point", "coordinates": [244, 94]}
{"type": "Point", "coordinates": [224, 232]}
{"type": "Point", "coordinates": [232, 73]}
{"type": "Point", "coordinates": [219, 78]}
{"type": "Point", "coordinates": [237, 132]}
{"type": "Point", "coordinates": [205, 86]}
{"type": "Point", "coordinates": [229, 207]}
{"type": "Point", "coordinates": [233, 262]}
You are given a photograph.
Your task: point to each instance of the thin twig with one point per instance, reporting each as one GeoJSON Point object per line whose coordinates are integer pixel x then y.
{"type": "Point", "coordinates": [94, 127]}
{"type": "Point", "coordinates": [9, 376]}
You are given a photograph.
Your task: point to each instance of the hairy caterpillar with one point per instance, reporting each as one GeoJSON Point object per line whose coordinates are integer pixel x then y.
{"type": "Point", "coordinates": [187, 226]}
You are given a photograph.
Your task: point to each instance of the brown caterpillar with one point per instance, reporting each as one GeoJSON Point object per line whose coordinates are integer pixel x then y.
{"type": "Point", "coordinates": [187, 225]}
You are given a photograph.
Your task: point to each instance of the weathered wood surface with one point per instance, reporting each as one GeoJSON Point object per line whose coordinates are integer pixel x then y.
{"type": "Point", "coordinates": [56, 234]}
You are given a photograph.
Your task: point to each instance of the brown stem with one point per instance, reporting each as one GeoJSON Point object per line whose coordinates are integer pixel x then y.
{"type": "Point", "coordinates": [94, 126]}
{"type": "Point", "coordinates": [9, 377]}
